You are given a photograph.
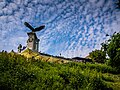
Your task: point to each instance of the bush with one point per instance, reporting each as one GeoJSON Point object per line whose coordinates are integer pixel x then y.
{"type": "Point", "coordinates": [98, 56]}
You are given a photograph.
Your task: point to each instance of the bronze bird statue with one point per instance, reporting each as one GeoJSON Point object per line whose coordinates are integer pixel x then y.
{"type": "Point", "coordinates": [34, 29]}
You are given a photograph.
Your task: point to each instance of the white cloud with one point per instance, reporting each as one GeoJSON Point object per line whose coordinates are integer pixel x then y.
{"type": "Point", "coordinates": [70, 26]}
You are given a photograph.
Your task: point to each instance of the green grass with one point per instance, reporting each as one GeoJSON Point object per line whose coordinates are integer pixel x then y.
{"type": "Point", "coordinates": [20, 73]}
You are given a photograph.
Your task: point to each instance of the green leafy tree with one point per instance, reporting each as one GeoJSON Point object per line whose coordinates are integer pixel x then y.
{"type": "Point", "coordinates": [112, 49]}
{"type": "Point", "coordinates": [98, 56]}
{"type": "Point", "coordinates": [19, 48]}
{"type": "Point", "coordinates": [118, 4]}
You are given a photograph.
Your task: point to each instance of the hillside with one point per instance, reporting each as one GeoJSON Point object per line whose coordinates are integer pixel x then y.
{"type": "Point", "coordinates": [20, 73]}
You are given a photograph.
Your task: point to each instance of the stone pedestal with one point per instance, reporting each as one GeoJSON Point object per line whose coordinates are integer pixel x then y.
{"type": "Point", "coordinates": [33, 41]}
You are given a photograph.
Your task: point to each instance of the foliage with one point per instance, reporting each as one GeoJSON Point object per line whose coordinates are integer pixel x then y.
{"type": "Point", "coordinates": [98, 56]}
{"type": "Point", "coordinates": [112, 48]}
{"type": "Point", "coordinates": [118, 4]}
{"type": "Point", "coordinates": [19, 73]}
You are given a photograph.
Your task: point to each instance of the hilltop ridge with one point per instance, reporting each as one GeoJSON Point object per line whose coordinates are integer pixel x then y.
{"type": "Point", "coordinates": [48, 58]}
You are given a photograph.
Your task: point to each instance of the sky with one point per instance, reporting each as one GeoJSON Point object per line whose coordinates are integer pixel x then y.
{"type": "Point", "coordinates": [73, 28]}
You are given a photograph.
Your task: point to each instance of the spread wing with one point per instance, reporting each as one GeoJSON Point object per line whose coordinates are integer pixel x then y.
{"type": "Point", "coordinates": [29, 26]}
{"type": "Point", "coordinates": [39, 28]}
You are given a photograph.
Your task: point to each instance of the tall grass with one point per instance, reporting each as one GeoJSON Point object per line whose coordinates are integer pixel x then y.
{"type": "Point", "coordinates": [17, 72]}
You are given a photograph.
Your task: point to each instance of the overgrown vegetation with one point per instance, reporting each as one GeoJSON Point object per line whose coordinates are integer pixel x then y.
{"type": "Point", "coordinates": [98, 56]}
{"type": "Point", "coordinates": [112, 49]}
{"type": "Point", "coordinates": [19, 73]}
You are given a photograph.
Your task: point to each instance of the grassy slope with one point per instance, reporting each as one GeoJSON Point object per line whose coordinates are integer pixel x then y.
{"type": "Point", "coordinates": [35, 74]}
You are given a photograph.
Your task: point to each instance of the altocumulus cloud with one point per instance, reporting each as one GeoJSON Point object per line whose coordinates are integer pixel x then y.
{"type": "Point", "coordinates": [73, 27]}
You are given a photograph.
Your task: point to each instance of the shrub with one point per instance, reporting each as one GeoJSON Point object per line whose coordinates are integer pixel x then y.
{"type": "Point", "coordinates": [98, 56]}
